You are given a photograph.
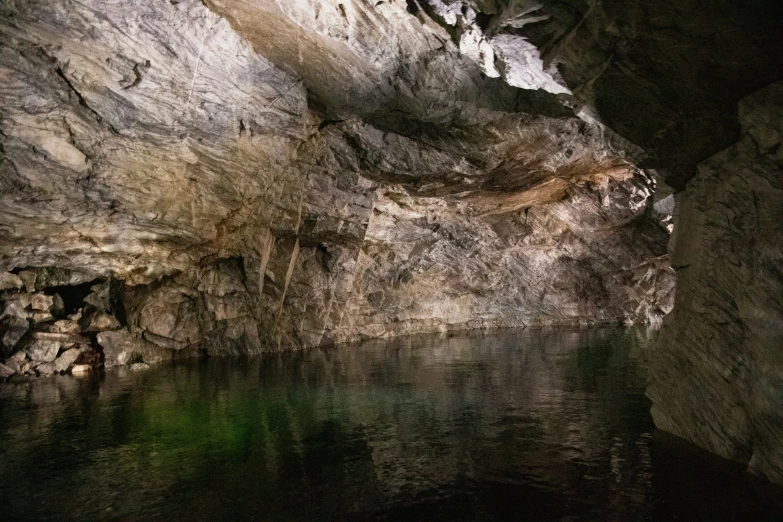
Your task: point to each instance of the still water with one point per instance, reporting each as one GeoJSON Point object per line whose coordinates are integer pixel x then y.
{"type": "Point", "coordinates": [523, 425]}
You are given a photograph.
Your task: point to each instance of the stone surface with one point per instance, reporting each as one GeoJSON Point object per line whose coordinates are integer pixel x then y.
{"type": "Point", "coordinates": [9, 281]}
{"type": "Point", "coordinates": [43, 351]}
{"type": "Point", "coordinates": [717, 374]}
{"type": "Point", "coordinates": [12, 329]}
{"type": "Point", "coordinates": [47, 368]}
{"type": "Point", "coordinates": [5, 371]}
{"type": "Point", "coordinates": [66, 359]}
{"type": "Point", "coordinates": [122, 347]}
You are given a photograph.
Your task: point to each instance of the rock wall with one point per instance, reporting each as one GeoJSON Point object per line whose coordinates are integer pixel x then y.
{"type": "Point", "coordinates": [235, 207]}
{"type": "Point", "coordinates": [717, 374]}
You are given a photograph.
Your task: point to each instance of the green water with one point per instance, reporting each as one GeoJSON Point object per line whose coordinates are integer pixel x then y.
{"type": "Point", "coordinates": [530, 425]}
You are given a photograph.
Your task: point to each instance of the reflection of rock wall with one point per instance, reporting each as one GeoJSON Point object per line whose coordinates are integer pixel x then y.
{"type": "Point", "coordinates": [379, 423]}
{"type": "Point", "coordinates": [717, 379]}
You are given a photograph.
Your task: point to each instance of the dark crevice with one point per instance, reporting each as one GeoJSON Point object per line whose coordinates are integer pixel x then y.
{"type": "Point", "coordinates": [72, 295]}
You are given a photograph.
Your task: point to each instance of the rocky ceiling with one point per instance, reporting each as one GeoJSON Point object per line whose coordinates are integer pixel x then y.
{"type": "Point", "coordinates": [234, 176]}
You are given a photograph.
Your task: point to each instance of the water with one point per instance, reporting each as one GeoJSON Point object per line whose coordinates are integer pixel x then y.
{"type": "Point", "coordinates": [532, 425]}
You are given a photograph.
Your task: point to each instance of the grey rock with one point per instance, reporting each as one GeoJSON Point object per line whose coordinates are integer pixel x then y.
{"type": "Point", "coordinates": [122, 347]}
{"type": "Point", "coordinates": [42, 351]}
{"type": "Point", "coordinates": [100, 298]}
{"type": "Point", "coordinates": [98, 321]}
{"type": "Point", "coordinates": [28, 278]}
{"type": "Point", "coordinates": [47, 368]}
{"type": "Point", "coordinates": [12, 330]}
{"type": "Point", "coordinates": [717, 371]}
{"type": "Point", "coordinates": [5, 371]}
{"type": "Point", "coordinates": [16, 362]}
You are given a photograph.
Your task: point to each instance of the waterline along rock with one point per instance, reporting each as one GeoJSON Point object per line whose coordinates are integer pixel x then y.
{"type": "Point", "coordinates": [192, 178]}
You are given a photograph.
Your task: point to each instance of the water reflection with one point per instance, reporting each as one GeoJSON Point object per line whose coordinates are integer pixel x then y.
{"type": "Point", "coordinates": [537, 425]}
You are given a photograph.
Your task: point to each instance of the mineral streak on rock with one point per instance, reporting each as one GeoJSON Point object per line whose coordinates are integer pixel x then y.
{"type": "Point", "coordinates": [183, 178]}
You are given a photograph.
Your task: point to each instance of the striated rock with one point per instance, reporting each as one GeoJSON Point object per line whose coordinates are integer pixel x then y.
{"type": "Point", "coordinates": [43, 351]}
{"type": "Point", "coordinates": [717, 373]}
{"type": "Point", "coordinates": [122, 347]}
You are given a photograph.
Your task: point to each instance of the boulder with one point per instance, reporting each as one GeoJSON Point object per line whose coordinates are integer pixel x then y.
{"type": "Point", "coordinates": [17, 305]}
{"type": "Point", "coordinates": [9, 281]}
{"type": "Point", "coordinates": [99, 321]}
{"type": "Point", "coordinates": [28, 278]}
{"type": "Point", "coordinates": [16, 361]}
{"type": "Point", "coordinates": [12, 329]}
{"type": "Point", "coordinates": [43, 351]}
{"type": "Point", "coordinates": [100, 297]}
{"type": "Point", "coordinates": [68, 357]}
{"type": "Point", "coordinates": [52, 304]}
{"type": "Point", "coordinates": [48, 368]}
{"type": "Point", "coordinates": [42, 302]}
{"type": "Point", "coordinates": [121, 347]}
{"type": "Point", "coordinates": [5, 371]}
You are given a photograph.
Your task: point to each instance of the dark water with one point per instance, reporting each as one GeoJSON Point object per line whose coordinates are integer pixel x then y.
{"type": "Point", "coordinates": [528, 425]}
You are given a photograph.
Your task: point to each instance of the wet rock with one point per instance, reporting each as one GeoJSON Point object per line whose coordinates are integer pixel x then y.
{"type": "Point", "coordinates": [42, 351]}
{"type": "Point", "coordinates": [122, 347]}
{"type": "Point", "coordinates": [138, 366]}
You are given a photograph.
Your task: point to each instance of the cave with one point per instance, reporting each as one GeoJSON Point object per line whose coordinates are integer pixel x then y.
{"type": "Point", "coordinates": [256, 201]}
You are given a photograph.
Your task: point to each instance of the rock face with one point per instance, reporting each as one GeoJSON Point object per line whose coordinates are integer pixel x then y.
{"type": "Point", "coordinates": [716, 377]}
{"type": "Point", "coordinates": [245, 212]}
{"type": "Point", "coordinates": [184, 177]}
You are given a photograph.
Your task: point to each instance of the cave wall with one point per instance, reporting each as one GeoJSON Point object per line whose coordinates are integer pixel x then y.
{"type": "Point", "coordinates": [716, 377]}
{"type": "Point", "coordinates": [246, 203]}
